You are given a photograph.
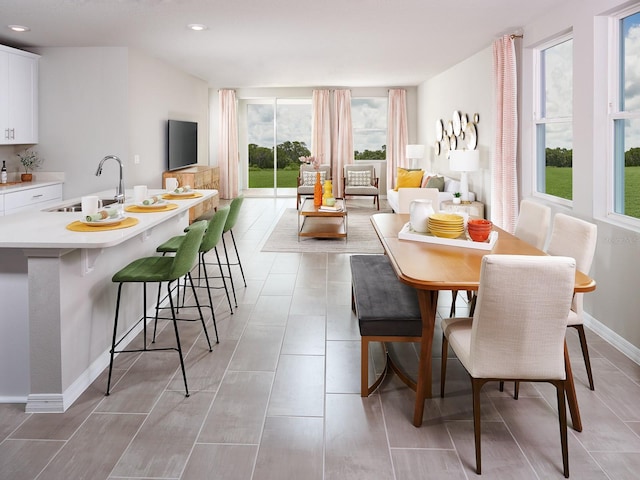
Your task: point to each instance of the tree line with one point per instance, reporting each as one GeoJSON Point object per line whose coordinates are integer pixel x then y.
{"type": "Point", "coordinates": [289, 154]}
{"type": "Point", "coordinates": [562, 157]}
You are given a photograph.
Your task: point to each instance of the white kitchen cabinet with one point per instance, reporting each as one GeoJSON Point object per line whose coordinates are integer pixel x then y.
{"type": "Point", "coordinates": [18, 97]}
{"type": "Point", "coordinates": [38, 197]}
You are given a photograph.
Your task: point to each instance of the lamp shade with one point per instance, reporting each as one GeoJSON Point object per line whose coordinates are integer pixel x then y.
{"type": "Point", "coordinates": [414, 151]}
{"type": "Point", "coordinates": [464, 160]}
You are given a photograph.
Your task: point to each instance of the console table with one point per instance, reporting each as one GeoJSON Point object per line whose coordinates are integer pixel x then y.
{"type": "Point", "coordinates": [198, 177]}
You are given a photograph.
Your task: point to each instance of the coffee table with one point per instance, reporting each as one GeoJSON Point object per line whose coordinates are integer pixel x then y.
{"type": "Point", "coordinates": [318, 223]}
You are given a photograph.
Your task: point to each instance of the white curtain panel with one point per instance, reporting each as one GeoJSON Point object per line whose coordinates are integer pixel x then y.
{"type": "Point", "coordinates": [504, 190]}
{"type": "Point", "coordinates": [397, 133]}
{"type": "Point", "coordinates": [228, 157]}
{"type": "Point", "coordinates": [321, 126]}
{"type": "Point", "coordinates": [342, 147]}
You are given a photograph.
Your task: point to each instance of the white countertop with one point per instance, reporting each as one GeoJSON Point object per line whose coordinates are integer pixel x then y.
{"type": "Point", "coordinates": [19, 186]}
{"type": "Point", "coordinates": [47, 230]}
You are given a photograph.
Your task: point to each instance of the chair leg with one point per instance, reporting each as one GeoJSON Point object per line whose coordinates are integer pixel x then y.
{"type": "Point", "coordinates": [364, 367]}
{"type": "Point", "coordinates": [454, 297]}
{"type": "Point", "coordinates": [476, 386]}
{"type": "Point", "coordinates": [235, 247]}
{"type": "Point", "coordinates": [213, 314]}
{"type": "Point", "coordinates": [224, 283]}
{"type": "Point", "coordinates": [585, 353]}
{"type": "Point", "coordinates": [516, 389]}
{"type": "Point", "coordinates": [562, 417]}
{"type": "Point", "coordinates": [113, 340]}
{"type": "Point", "coordinates": [195, 297]}
{"type": "Point", "coordinates": [179, 347]}
{"type": "Point", "coordinates": [226, 255]}
{"type": "Point", "coordinates": [443, 365]}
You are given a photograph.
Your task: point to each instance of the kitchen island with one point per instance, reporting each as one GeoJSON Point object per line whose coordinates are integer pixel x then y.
{"type": "Point", "coordinates": [57, 301]}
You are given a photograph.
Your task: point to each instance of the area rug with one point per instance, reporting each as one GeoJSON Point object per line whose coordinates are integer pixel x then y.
{"type": "Point", "coordinates": [361, 237]}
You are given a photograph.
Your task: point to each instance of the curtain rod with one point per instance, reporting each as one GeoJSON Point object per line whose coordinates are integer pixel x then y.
{"type": "Point", "coordinates": [515, 35]}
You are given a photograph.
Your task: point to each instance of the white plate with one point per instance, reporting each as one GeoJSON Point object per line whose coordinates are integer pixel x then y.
{"type": "Point", "coordinates": [158, 204]}
{"type": "Point", "coordinates": [183, 194]}
{"type": "Point", "coordinates": [106, 221]}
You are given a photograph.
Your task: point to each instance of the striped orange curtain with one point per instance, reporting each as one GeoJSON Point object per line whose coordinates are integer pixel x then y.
{"type": "Point", "coordinates": [342, 148]}
{"type": "Point", "coordinates": [321, 126]}
{"type": "Point", "coordinates": [228, 157]}
{"type": "Point", "coordinates": [397, 133]}
{"type": "Point", "coordinates": [504, 172]}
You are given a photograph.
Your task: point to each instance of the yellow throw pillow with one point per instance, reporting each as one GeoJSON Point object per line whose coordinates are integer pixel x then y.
{"type": "Point", "coordinates": [408, 178]}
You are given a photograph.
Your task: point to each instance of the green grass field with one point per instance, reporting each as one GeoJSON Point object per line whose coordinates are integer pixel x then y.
{"type": "Point", "coordinates": [264, 178]}
{"type": "Point", "coordinates": [559, 184]}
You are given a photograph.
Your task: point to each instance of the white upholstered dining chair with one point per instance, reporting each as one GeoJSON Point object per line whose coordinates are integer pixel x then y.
{"type": "Point", "coordinates": [521, 340]}
{"type": "Point", "coordinates": [573, 237]}
{"type": "Point", "coordinates": [533, 223]}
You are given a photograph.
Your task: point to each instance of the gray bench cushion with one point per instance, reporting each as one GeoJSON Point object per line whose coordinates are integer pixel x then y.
{"type": "Point", "coordinates": [384, 305]}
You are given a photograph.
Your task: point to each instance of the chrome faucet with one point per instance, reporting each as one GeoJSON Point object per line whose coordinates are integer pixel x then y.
{"type": "Point", "coordinates": [120, 189]}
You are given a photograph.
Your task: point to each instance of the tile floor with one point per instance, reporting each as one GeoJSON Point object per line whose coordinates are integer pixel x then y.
{"type": "Point", "coordinates": [278, 399]}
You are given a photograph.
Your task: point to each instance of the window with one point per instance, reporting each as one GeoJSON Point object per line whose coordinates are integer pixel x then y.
{"type": "Point", "coordinates": [278, 134]}
{"type": "Point", "coordinates": [625, 116]}
{"type": "Point", "coordinates": [369, 123]}
{"type": "Point", "coordinates": [554, 119]}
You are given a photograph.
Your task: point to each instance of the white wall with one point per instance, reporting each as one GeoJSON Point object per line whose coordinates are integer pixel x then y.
{"type": "Point", "coordinates": [613, 308]}
{"type": "Point", "coordinates": [468, 88]}
{"type": "Point", "coordinates": [100, 101]}
{"type": "Point", "coordinates": [83, 115]}
{"type": "Point", "coordinates": [615, 303]}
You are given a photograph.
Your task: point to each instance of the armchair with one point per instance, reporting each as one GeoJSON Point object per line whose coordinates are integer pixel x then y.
{"type": "Point", "coordinates": [361, 180]}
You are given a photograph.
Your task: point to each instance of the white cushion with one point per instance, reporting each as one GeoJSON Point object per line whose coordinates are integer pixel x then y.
{"type": "Point", "coordinates": [309, 178]}
{"type": "Point", "coordinates": [358, 178]}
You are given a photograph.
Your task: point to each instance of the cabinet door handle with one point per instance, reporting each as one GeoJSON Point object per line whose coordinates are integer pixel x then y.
{"type": "Point", "coordinates": [38, 196]}
{"type": "Point", "coordinates": [13, 134]}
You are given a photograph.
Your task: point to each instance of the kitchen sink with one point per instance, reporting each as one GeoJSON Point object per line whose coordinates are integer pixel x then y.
{"type": "Point", "coordinates": [77, 207]}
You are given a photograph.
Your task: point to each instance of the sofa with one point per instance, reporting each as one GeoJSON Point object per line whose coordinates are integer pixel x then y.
{"type": "Point", "coordinates": [400, 200]}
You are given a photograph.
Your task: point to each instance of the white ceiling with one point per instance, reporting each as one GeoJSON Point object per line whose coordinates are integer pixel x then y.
{"type": "Point", "coordinates": [269, 43]}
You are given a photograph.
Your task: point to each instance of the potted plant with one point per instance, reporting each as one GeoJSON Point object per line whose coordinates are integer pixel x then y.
{"type": "Point", "coordinates": [456, 197]}
{"type": "Point", "coordinates": [30, 161]}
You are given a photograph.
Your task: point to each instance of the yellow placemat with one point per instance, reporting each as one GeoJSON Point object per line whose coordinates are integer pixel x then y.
{"type": "Point", "coordinates": [160, 208]}
{"type": "Point", "coordinates": [168, 196]}
{"type": "Point", "coordinates": [78, 226]}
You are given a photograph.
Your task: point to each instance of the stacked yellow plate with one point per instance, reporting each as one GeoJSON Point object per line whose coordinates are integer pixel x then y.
{"type": "Point", "coordinates": [446, 225]}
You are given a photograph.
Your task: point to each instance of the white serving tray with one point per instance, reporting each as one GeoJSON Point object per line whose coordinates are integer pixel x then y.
{"type": "Point", "coordinates": [407, 234]}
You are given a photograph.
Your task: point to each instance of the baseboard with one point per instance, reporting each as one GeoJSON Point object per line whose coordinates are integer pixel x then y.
{"type": "Point", "coordinates": [613, 338]}
{"type": "Point", "coordinates": [45, 403]}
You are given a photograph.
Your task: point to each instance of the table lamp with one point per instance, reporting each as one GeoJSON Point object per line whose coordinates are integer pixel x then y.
{"type": "Point", "coordinates": [414, 153]}
{"type": "Point", "coordinates": [464, 161]}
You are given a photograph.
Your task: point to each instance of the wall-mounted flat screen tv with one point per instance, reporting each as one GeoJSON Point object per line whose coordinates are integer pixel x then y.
{"type": "Point", "coordinates": [183, 144]}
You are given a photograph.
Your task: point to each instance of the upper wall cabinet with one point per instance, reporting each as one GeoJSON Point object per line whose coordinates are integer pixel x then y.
{"type": "Point", "coordinates": [18, 97]}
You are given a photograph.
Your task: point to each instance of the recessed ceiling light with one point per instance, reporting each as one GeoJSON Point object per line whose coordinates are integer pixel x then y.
{"type": "Point", "coordinates": [19, 28]}
{"type": "Point", "coordinates": [198, 27]}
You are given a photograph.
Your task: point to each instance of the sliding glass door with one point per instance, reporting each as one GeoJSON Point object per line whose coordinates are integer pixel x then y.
{"type": "Point", "coordinates": [278, 132]}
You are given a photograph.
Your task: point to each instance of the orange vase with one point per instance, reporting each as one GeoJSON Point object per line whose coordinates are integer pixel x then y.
{"type": "Point", "coordinates": [317, 191]}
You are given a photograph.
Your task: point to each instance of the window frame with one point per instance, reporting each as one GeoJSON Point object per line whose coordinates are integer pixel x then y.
{"type": "Point", "coordinates": [615, 114]}
{"type": "Point", "coordinates": [539, 121]}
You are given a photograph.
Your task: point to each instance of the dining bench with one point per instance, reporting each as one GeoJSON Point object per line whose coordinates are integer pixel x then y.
{"type": "Point", "coordinates": [387, 311]}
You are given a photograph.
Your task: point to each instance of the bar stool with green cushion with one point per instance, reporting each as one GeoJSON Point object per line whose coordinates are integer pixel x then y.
{"type": "Point", "coordinates": [209, 242]}
{"type": "Point", "coordinates": [234, 212]}
{"type": "Point", "coordinates": [158, 270]}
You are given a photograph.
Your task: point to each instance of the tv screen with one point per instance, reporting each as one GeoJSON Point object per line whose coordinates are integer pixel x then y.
{"type": "Point", "coordinates": [183, 144]}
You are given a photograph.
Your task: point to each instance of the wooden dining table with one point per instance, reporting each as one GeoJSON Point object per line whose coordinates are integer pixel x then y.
{"type": "Point", "coordinates": [431, 267]}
